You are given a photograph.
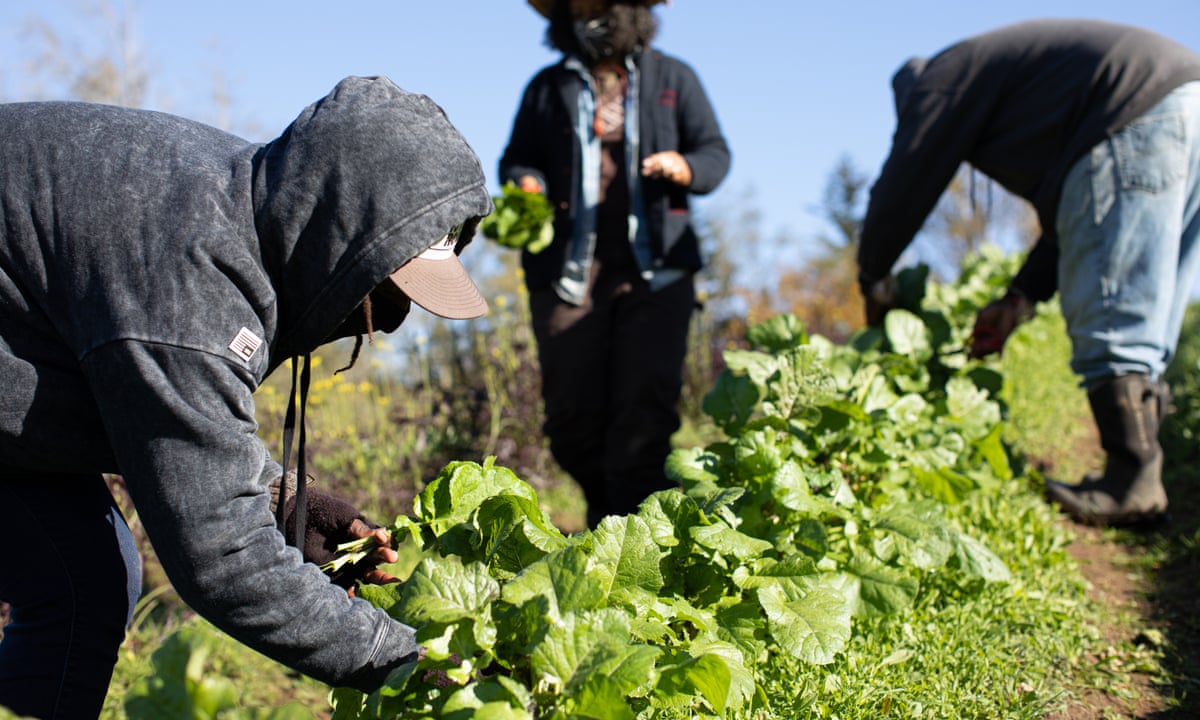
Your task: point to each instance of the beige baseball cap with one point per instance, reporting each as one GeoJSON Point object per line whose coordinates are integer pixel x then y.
{"type": "Point", "coordinates": [437, 281]}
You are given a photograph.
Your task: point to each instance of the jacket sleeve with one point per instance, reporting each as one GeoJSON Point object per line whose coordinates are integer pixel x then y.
{"type": "Point", "coordinates": [181, 424]}
{"type": "Point", "coordinates": [523, 155]}
{"type": "Point", "coordinates": [701, 142]}
{"type": "Point", "coordinates": [1037, 279]}
{"type": "Point", "coordinates": [936, 132]}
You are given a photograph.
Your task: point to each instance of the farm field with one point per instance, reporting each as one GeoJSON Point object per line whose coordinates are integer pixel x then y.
{"type": "Point", "coordinates": [860, 535]}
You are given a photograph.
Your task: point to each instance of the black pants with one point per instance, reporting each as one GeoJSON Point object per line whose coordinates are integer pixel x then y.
{"type": "Point", "coordinates": [70, 572]}
{"type": "Point", "coordinates": [612, 371]}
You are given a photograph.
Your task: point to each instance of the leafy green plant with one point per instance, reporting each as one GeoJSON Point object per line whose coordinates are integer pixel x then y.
{"type": "Point", "coordinates": [522, 220]}
{"type": "Point", "coordinates": [825, 504]}
{"type": "Point", "coordinates": [182, 688]}
{"type": "Point", "coordinates": [1181, 427]}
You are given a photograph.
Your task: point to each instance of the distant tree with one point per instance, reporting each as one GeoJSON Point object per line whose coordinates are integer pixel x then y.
{"type": "Point", "coordinates": [824, 291]}
{"type": "Point", "coordinates": [108, 68]}
{"type": "Point", "coordinates": [973, 210]}
{"type": "Point", "coordinates": [105, 64]}
{"type": "Point", "coordinates": [732, 240]}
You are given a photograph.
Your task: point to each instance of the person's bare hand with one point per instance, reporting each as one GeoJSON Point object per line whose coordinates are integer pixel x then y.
{"type": "Point", "coordinates": [668, 165]}
{"type": "Point", "coordinates": [529, 183]}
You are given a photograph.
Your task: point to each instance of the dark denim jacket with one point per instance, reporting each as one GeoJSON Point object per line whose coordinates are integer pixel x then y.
{"type": "Point", "coordinates": [674, 114]}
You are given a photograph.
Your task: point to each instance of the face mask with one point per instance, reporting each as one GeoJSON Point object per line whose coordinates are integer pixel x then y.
{"type": "Point", "coordinates": [389, 308]}
{"type": "Point", "coordinates": [593, 38]}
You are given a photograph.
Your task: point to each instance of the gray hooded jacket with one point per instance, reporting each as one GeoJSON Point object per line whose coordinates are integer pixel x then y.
{"type": "Point", "coordinates": [154, 270]}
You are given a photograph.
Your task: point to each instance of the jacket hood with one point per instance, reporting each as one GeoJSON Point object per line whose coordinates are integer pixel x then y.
{"type": "Point", "coordinates": [905, 79]}
{"type": "Point", "coordinates": [362, 181]}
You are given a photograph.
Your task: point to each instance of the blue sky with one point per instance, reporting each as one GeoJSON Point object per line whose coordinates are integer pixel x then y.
{"type": "Point", "coordinates": [796, 85]}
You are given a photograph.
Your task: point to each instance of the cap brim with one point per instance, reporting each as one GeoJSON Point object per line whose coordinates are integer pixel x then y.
{"type": "Point", "coordinates": [442, 287]}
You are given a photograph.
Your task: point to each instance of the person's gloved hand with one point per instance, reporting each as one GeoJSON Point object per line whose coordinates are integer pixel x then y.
{"type": "Point", "coordinates": [880, 297]}
{"type": "Point", "coordinates": [996, 322]}
{"type": "Point", "coordinates": [330, 522]}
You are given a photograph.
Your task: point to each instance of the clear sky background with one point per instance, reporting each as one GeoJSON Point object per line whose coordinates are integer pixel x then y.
{"type": "Point", "coordinates": [796, 85]}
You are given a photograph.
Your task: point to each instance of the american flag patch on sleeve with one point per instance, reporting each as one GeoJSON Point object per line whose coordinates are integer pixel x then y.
{"type": "Point", "coordinates": [245, 344]}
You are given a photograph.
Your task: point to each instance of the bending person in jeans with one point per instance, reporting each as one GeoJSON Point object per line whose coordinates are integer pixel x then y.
{"type": "Point", "coordinates": [1097, 125]}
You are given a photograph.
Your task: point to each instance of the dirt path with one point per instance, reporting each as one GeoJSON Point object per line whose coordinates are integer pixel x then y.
{"type": "Point", "coordinates": [1149, 584]}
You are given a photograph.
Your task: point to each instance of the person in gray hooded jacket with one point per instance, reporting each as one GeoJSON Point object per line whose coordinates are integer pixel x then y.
{"type": "Point", "coordinates": [153, 271]}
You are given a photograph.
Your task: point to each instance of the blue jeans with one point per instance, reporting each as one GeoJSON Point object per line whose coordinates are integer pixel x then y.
{"type": "Point", "coordinates": [1127, 224]}
{"type": "Point", "coordinates": [70, 571]}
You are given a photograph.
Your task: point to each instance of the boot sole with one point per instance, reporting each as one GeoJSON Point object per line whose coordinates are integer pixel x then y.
{"type": "Point", "coordinates": [1141, 522]}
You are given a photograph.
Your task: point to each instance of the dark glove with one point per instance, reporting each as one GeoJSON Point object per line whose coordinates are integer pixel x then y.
{"type": "Point", "coordinates": [879, 296]}
{"type": "Point", "coordinates": [330, 522]}
{"type": "Point", "coordinates": [997, 321]}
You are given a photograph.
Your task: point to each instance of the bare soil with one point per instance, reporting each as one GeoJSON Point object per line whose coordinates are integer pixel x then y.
{"type": "Point", "coordinates": [1147, 583]}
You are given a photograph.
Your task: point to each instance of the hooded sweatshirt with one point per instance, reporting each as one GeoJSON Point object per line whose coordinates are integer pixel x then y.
{"type": "Point", "coordinates": [153, 271]}
{"type": "Point", "coordinates": [1022, 104]}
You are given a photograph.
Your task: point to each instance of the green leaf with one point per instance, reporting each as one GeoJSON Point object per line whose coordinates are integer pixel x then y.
{"type": "Point", "coordinates": [909, 410]}
{"type": "Point", "coordinates": [991, 449]}
{"type": "Point", "coordinates": [564, 579]}
{"type": "Point", "coordinates": [685, 676]}
{"type": "Point", "coordinates": [977, 560]}
{"type": "Point", "coordinates": [446, 591]}
{"type": "Point", "coordinates": [693, 466]}
{"type": "Point", "coordinates": [944, 484]}
{"type": "Point", "coordinates": [179, 686]}
{"type": "Point", "coordinates": [972, 406]}
{"type": "Point", "coordinates": [515, 533]}
{"type": "Point", "coordinates": [813, 628]}
{"type": "Point", "coordinates": [796, 571]}
{"type": "Point", "coordinates": [741, 677]}
{"type": "Point", "coordinates": [924, 537]}
{"type": "Point", "coordinates": [625, 552]}
{"type": "Point", "coordinates": [757, 454]}
{"type": "Point", "coordinates": [500, 711]}
{"type": "Point", "coordinates": [729, 542]}
{"type": "Point", "coordinates": [743, 625]}
{"type": "Point", "coordinates": [731, 402]}
{"type": "Point", "coordinates": [907, 335]}
{"type": "Point", "coordinates": [597, 698]}
{"type": "Point", "coordinates": [883, 589]}
{"type": "Point", "coordinates": [586, 644]}
{"type": "Point", "coordinates": [777, 334]}
{"type": "Point", "coordinates": [460, 489]}
{"type": "Point", "coordinates": [498, 697]}
{"type": "Point", "coordinates": [385, 597]}
{"type": "Point", "coordinates": [790, 489]}
{"type": "Point", "coordinates": [760, 367]}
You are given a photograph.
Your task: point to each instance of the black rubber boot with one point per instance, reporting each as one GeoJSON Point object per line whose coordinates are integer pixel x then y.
{"type": "Point", "coordinates": [1127, 410]}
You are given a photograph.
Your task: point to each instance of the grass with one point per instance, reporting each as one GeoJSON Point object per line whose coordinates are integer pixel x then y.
{"type": "Point", "coordinates": [1051, 423]}
{"type": "Point", "coordinates": [997, 654]}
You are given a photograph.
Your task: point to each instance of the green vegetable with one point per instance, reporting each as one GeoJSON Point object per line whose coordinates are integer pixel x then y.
{"type": "Point", "coordinates": [522, 220]}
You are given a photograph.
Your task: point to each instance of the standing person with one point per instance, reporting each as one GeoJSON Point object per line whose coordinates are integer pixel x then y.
{"type": "Point", "coordinates": [616, 134]}
{"type": "Point", "coordinates": [153, 272]}
{"type": "Point", "coordinates": [1097, 125]}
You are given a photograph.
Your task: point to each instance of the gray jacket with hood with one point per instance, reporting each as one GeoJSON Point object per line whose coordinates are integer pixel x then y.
{"type": "Point", "coordinates": [136, 247]}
